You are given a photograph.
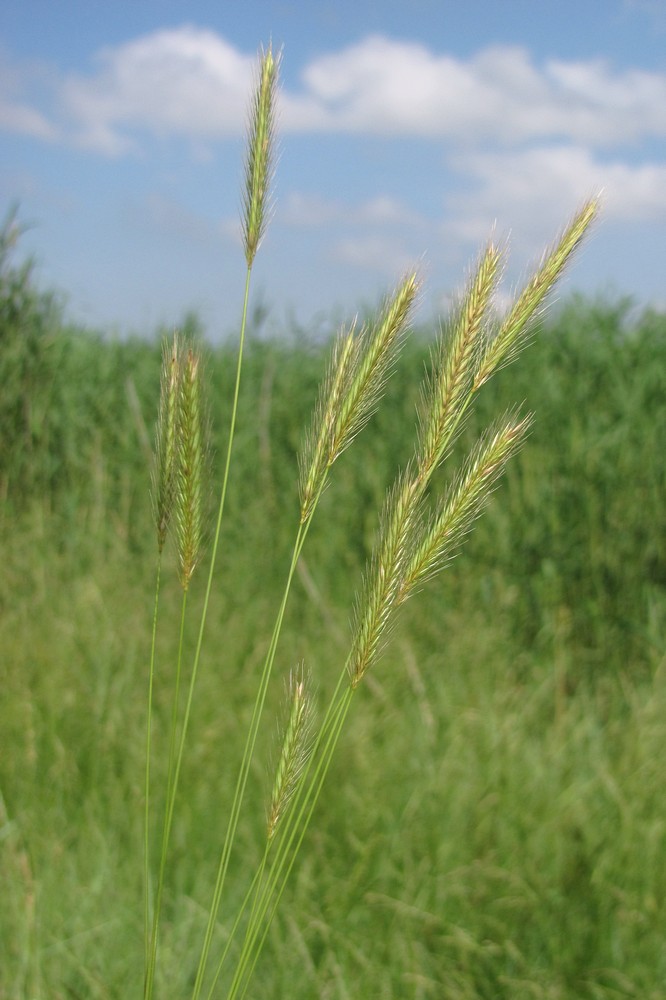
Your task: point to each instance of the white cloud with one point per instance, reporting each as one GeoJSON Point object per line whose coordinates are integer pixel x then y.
{"type": "Point", "coordinates": [21, 119]}
{"type": "Point", "coordinates": [185, 82]}
{"type": "Point", "coordinates": [536, 189]}
{"type": "Point", "coordinates": [16, 113]}
{"type": "Point", "coordinates": [386, 87]}
{"type": "Point", "coordinates": [191, 82]}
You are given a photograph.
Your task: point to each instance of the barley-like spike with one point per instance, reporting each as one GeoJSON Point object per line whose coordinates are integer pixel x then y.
{"type": "Point", "coordinates": [360, 366]}
{"type": "Point", "coordinates": [259, 162]}
{"type": "Point", "coordinates": [458, 357]}
{"type": "Point", "coordinates": [515, 328]}
{"type": "Point", "coordinates": [374, 614]}
{"type": "Point", "coordinates": [315, 458]}
{"type": "Point", "coordinates": [440, 536]}
{"type": "Point", "coordinates": [380, 341]}
{"type": "Point", "coordinates": [164, 471]}
{"type": "Point", "coordinates": [191, 468]}
{"type": "Point", "coordinates": [296, 747]}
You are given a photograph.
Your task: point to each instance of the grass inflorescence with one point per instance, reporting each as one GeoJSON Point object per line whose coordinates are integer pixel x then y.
{"type": "Point", "coordinates": [417, 535]}
{"type": "Point", "coordinates": [481, 825]}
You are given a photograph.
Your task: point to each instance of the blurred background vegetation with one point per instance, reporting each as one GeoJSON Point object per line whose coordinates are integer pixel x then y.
{"type": "Point", "coordinates": [495, 826]}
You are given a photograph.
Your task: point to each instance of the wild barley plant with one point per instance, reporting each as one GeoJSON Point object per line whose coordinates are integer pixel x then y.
{"type": "Point", "coordinates": [417, 535]}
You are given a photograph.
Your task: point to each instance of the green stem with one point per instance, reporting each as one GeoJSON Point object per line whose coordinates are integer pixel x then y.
{"type": "Point", "coordinates": [146, 821]}
{"type": "Point", "coordinates": [173, 784]}
{"type": "Point", "coordinates": [246, 762]}
{"type": "Point", "coordinates": [251, 892]}
{"type": "Point", "coordinates": [172, 779]}
{"type": "Point", "coordinates": [174, 772]}
{"type": "Point", "coordinates": [296, 825]}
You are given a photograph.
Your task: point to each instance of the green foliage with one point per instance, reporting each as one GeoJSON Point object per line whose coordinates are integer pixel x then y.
{"type": "Point", "coordinates": [526, 830]}
{"type": "Point", "coordinates": [504, 834]}
{"type": "Point", "coordinates": [28, 319]}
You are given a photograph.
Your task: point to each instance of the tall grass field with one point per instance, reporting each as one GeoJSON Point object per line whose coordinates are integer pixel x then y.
{"type": "Point", "coordinates": [493, 823]}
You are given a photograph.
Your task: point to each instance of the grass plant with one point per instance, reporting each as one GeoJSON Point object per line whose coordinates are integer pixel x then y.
{"type": "Point", "coordinates": [414, 541]}
{"type": "Point", "coordinates": [491, 825]}
{"type": "Point", "coordinates": [494, 826]}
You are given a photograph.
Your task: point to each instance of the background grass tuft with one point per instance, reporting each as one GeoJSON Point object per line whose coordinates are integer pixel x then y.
{"type": "Point", "coordinates": [505, 834]}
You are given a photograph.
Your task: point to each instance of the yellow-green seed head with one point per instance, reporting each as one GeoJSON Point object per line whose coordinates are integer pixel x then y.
{"type": "Point", "coordinates": [259, 162]}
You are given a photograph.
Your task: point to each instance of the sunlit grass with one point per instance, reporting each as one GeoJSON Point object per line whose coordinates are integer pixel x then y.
{"type": "Point", "coordinates": [491, 824]}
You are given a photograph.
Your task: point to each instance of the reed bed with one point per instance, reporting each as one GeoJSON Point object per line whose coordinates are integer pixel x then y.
{"type": "Point", "coordinates": [496, 874]}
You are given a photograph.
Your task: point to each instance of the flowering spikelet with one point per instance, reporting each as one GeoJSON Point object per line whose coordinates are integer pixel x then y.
{"type": "Point", "coordinates": [189, 492]}
{"type": "Point", "coordinates": [456, 365]}
{"type": "Point", "coordinates": [295, 749]}
{"type": "Point", "coordinates": [374, 610]}
{"type": "Point", "coordinates": [259, 163]}
{"type": "Point", "coordinates": [515, 328]}
{"type": "Point", "coordinates": [357, 374]}
{"type": "Point", "coordinates": [164, 471]}
{"type": "Point", "coordinates": [440, 535]}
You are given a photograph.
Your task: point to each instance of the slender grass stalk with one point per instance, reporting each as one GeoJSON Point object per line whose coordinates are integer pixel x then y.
{"type": "Point", "coordinates": [164, 478]}
{"type": "Point", "coordinates": [168, 806]}
{"type": "Point", "coordinates": [181, 447]}
{"type": "Point", "coordinates": [293, 834]}
{"type": "Point", "coordinates": [258, 174]}
{"type": "Point", "coordinates": [416, 537]}
{"type": "Point", "coordinates": [146, 820]}
{"type": "Point", "coordinates": [296, 748]}
{"type": "Point", "coordinates": [356, 375]}
{"type": "Point", "coordinates": [411, 547]}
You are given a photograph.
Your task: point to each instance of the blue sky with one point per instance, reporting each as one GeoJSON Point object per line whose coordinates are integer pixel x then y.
{"type": "Point", "coordinates": [408, 132]}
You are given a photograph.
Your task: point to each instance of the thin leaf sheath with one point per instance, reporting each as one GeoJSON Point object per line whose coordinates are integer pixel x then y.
{"type": "Point", "coordinates": [259, 163]}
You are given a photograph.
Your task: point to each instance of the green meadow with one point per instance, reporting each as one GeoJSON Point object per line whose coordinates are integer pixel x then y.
{"type": "Point", "coordinates": [493, 826]}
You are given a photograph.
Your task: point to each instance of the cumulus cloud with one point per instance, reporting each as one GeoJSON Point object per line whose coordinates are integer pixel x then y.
{"type": "Point", "coordinates": [17, 113]}
{"type": "Point", "coordinates": [191, 82]}
{"type": "Point", "coordinates": [24, 120]}
{"type": "Point", "coordinates": [525, 140]}
{"type": "Point", "coordinates": [183, 82]}
{"type": "Point", "coordinates": [388, 87]}
{"type": "Point", "coordinates": [536, 188]}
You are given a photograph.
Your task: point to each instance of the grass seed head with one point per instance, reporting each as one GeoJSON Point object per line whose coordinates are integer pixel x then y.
{"type": "Point", "coordinates": [165, 462]}
{"type": "Point", "coordinates": [360, 366]}
{"type": "Point", "coordinates": [458, 351]}
{"type": "Point", "coordinates": [191, 469]}
{"type": "Point", "coordinates": [296, 746]}
{"type": "Point", "coordinates": [260, 155]}
{"type": "Point", "coordinates": [516, 326]}
{"type": "Point", "coordinates": [438, 537]}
